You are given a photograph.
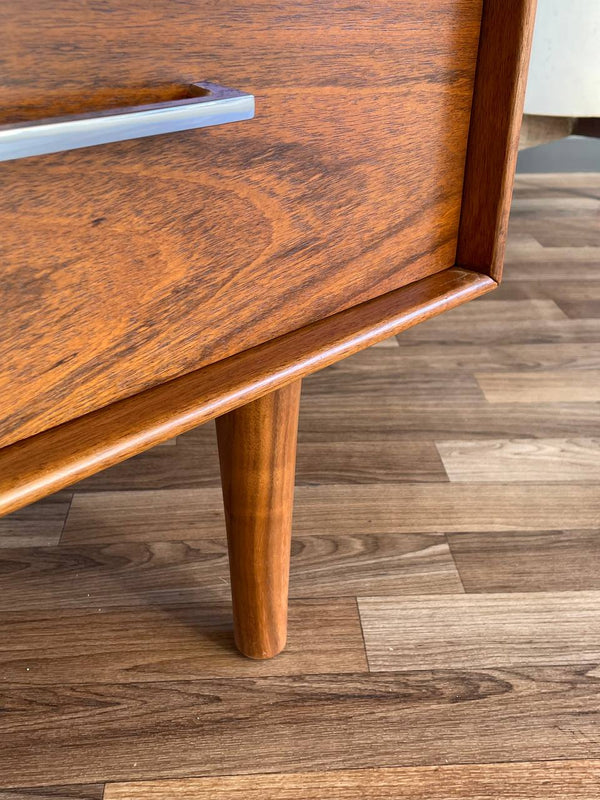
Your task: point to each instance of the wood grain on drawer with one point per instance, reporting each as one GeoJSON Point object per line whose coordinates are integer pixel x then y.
{"type": "Point", "coordinates": [128, 264]}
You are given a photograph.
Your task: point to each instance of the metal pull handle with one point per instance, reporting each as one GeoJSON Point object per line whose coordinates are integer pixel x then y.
{"type": "Point", "coordinates": [212, 105]}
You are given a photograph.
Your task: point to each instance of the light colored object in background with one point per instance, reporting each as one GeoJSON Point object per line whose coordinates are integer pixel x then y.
{"type": "Point", "coordinates": [564, 75]}
{"type": "Point", "coordinates": [539, 129]}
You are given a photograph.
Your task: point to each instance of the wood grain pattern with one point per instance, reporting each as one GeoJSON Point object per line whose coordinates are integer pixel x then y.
{"type": "Point", "coordinates": [122, 575]}
{"type": "Point", "coordinates": [564, 293]}
{"type": "Point", "coordinates": [257, 453]}
{"type": "Point", "coordinates": [56, 458]}
{"type": "Point", "coordinates": [527, 562]}
{"type": "Point", "coordinates": [523, 248]}
{"type": "Point", "coordinates": [391, 461]}
{"type": "Point", "coordinates": [518, 460]}
{"type": "Point", "coordinates": [403, 508]}
{"type": "Point", "coordinates": [581, 309]}
{"type": "Point", "coordinates": [151, 258]}
{"type": "Point", "coordinates": [465, 723]}
{"type": "Point", "coordinates": [500, 310]}
{"type": "Point", "coordinates": [489, 630]}
{"type": "Point", "coordinates": [147, 645]}
{"type": "Point", "coordinates": [88, 792]}
{"type": "Point", "coordinates": [550, 387]}
{"type": "Point", "coordinates": [380, 417]}
{"type": "Point", "coordinates": [427, 357]}
{"type": "Point", "coordinates": [39, 524]}
{"type": "Point", "coordinates": [576, 780]}
{"type": "Point", "coordinates": [387, 344]}
{"type": "Point", "coordinates": [412, 389]}
{"type": "Point", "coordinates": [445, 507]}
{"type": "Point", "coordinates": [560, 260]}
{"type": "Point", "coordinates": [256, 725]}
{"type": "Point", "coordinates": [571, 204]}
{"type": "Point", "coordinates": [102, 517]}
{"type": "Point", "coordinates": [570, 231]}
{"type": "Point", "coordinates": [524, 331]}
{"type": "Point", "coordinates": [142, 574]}
{"type": "Point", "coordinates": [580, 300]}
{"type": "Point", "coordinates": [505, 42]}
{"type": "Point", "coordinates": [571, 184]}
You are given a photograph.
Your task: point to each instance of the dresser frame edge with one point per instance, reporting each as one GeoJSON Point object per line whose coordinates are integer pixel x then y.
{"type": "Point", "coordinates": [42, 464]}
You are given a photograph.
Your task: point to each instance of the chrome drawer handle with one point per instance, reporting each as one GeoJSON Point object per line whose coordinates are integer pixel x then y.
{"type": "Point", "coordinates": [212, 105]}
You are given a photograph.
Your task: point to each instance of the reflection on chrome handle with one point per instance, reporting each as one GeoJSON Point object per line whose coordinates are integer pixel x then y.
{"type": "Point", "coordinates": [211, 105]}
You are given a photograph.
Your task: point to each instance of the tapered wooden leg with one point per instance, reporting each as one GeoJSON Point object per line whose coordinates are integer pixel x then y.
{"type": "Point", "coordinates": [257, 451]}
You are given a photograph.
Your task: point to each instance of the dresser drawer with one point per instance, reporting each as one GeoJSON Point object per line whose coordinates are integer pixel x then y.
{"type": "Point", "coordinates": [128, 264]}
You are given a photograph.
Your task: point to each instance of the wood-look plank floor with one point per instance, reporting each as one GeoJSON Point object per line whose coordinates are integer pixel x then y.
{"type": "Point", "coordinates": [576, 780]}
{"type": "Point", "coordinates": [445, 584]}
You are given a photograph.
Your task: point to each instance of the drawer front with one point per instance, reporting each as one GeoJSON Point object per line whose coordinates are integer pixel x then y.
{"type": "Point", "coordinates": [127, 264]}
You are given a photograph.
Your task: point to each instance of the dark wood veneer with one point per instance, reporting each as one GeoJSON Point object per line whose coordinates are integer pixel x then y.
{"type": "Point", "coordinates": [44, 463]}
{"type": "Point", "coordinates": [129, 264]}
{"type": "Point", "coordinates": [236, 260]}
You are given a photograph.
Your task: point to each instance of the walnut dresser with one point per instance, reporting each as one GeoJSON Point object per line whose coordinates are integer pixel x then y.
{"type": "Point", "coordinates": [202, 202]}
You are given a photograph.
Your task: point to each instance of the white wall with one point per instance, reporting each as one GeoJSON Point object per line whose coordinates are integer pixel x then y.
{"type": "Point", "coordinates": [564, 76]}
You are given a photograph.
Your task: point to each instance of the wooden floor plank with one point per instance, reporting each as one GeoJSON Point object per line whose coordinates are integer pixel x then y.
{"type": "Point", "coordinates": [520, 460]}
{"type": "Point", "coordinates": [522, 245]}
{"type": "Point", "coordinates": [340, 379]}
{"type": "Point", "coordinates": [380, 462]}
{"type": "Point", "coordinates": [327, 510]}
{"type": "Point", "coordinates": [476, 631]}
{"type": "Point", "coordinates": [445, 507]}
{"type": "Point", "coordinates": [116, 657]}
{"type": "Point", "coordinates": [142, 574]}
{"type": "Point", "coordinates": [524, 331]}
{"type": "Point", "coordinates": [380, 417]}
{"type": "Point", "coordinates": [558, 291]}
{"type": "Point", "coordinates": [125, 732]}
{"type": "Point", "coordinates": [527, 562]}
{"type": "Point", "coordinates": [547, 387]}
{"type": "Point", "coordinates": [578, 300]}
{"type": "Point", "coordinates": [562, 183]}
{"type": "Point", "coordinates": [117, 575]}
{"type": "Point", "coordinates": [121, 645]}
{"type": "Point", "coordinates": [449, 357]}
{"type": "Point", "coordinates": [391, 343]}
{"type": "Point", "coordinates": [503, 311]}
{"type": "Point", "coordinates": [560, 204]}
{"type": "Point", "coordinates": [560, 230]}
{"type": "Point", "coordinates": [581, 309]}
{"type": "Point", "coordinates": [576, 780]}
{"type": "Point", "coordinates": [38, 524]}
{"type": "Point", "coordinates": [164, 515]}
{"type": "Point", "coordinates": [341, 565]}
{"type": "Point", "coordinates": [555, 264]}
{"type": "Point", "coordinates": [568, 290]}
{"type": "Point", "coordinates": [194, 462]}
{"type": "Point", "coordinates": [89, 792]}
{"type": "Point", "coordinates": [522, 290]}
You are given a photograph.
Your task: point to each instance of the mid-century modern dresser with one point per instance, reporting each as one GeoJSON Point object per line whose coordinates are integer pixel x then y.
{"type": "Point", "coordinates": [202, 202]}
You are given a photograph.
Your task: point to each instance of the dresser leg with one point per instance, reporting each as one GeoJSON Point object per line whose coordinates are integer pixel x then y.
{"type": "Point", "coordinates": [257, 451]}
